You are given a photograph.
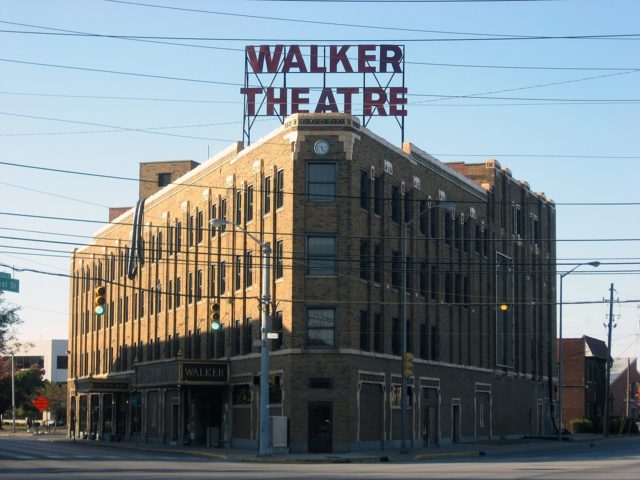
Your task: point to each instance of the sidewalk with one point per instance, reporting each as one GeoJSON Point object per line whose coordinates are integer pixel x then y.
{"type": "Point", "coordinates": [461, 450]}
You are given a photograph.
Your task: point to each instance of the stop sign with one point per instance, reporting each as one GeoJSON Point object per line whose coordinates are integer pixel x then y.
{"type": "Point", "coordinates": [41, 403]}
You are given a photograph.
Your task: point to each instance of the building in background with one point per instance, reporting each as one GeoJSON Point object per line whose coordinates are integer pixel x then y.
{"type": "Point", "coordinates": [625, 388]}
{"type": "Point", "coordinates": [584, 363]}
{"type": "Point", "coordinates": [49, 355]}
{"type": "Point", "coordinates": [334, 200]}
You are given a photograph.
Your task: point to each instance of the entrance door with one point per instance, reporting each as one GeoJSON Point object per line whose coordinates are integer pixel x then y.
{"type": "Point", "coordinates": [455, 424]}
{"type": "Point", "coordinates": [174, 422]}
{"type": "Point", "coordinates": [320, 427]}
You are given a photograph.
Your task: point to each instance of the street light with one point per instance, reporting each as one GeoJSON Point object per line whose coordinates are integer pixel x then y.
{"type": "Point", "coordinates": [593, 264]}
{"type": "Point", "coordinates": [263, 450]}
{"type": "Point", "coordinates": [404, 398]}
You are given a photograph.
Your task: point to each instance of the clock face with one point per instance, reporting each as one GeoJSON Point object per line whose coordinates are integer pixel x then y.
{"type": "Point", "coordinates": [321, 147]}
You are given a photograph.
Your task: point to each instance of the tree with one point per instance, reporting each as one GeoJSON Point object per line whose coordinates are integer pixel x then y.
{"type": "Point", "coordinates": [27, 382]}
{"type": "Point", "coordinates": [9, 319]}
{"type": "Point", "coordinates": [56, 394]}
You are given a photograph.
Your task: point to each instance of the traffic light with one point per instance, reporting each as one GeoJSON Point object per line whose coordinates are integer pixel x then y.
{"type": "Point", "coordinates": [215, 317]}
{"type": "Point", "coordinates": [407, 364]}
{"type": "Point", "coordinates": [504, 307]}
{"type": "Point", "coordinates": [100, 300]}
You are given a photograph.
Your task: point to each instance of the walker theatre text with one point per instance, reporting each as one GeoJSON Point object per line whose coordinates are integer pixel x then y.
{"type": "Point", "coordinates": [378, 65]}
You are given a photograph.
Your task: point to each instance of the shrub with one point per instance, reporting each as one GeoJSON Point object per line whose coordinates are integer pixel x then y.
{"type": "Point", "coordinates": [581, 425]}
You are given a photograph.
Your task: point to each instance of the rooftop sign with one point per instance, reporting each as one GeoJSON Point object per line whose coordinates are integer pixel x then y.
{"type": "Point", "coordinates": [371, 82]}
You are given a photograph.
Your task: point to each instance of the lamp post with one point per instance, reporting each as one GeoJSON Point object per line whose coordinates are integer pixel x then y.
{"type": "Point", "coordinates": [593, 264]}
{"type": "Point", "coordinates": [13, 394]}
{"type": "Point", "coordinates": [265, 247]}
{"type": "Point", "coordinates": [404, 397]}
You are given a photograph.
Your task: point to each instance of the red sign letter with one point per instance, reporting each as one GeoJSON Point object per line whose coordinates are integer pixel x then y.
{"type": "Point", "coordinates": [297, 100]}
{"type": "Point", "coordinates": [390, 54]}
{"type": "Point", "coordinates": [372, 104]}
{"type": "Point", "coordinates": [365, 58]}
{"type": "Point", "coordinates": [294, 59]}
{"type": "Point", "coordinates": [338, 54]}
{"type": "Point", "coordinates": [347, 92]}
{"type": "Point", "coordinates": [251, 98]}
{"type": "Point", "coordinates": [272, 62]}
{"type": "Point", "coordinates": [397, 98]}
{"type": "Point", "coordinates": [327, 102]}
{"type": "Point", "coordinates": [272, 101]}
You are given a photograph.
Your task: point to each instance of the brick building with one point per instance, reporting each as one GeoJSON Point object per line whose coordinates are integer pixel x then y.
{"type": "Point", "coordinates": [584, 363]}
{"type": "Point", "coordinates": [331, 197]}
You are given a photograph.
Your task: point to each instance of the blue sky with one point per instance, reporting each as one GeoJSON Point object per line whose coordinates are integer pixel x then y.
{"type": "Point", "coordinates": [538, 137]}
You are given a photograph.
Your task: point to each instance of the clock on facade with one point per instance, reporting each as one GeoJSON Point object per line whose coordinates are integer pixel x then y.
{"type": "Point", "coordinates": [321, 147]}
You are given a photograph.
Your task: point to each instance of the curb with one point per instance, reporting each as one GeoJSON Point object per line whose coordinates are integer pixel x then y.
{"type": "Point", "coordinates": [430, 456]}
{"type": "Point", "coordinates": [192, 453]}
{"type": "Point", "coordinates": [373, 459]}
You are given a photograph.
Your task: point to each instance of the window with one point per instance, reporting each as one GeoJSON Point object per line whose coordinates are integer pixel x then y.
{"type": "Point", "coordinates": [395, 336]}
{"type": "Point", "coordinates": [62, 362]}
{"type": "Point", "coordinates": [190, 225]}
{"type": "Point", "coordinates": [424, 276]}
{"type": "Point", "coordinates": [364, 330]}
{"type": "Point", "coordinates": [223, 277]}
{"type": "Point", "coordinates": [199, 226]}
{"type": "Point", "coordinates": [424, 338]}
{"type": "Point", "coordinates": [377, 263]}
{"type": "Point", "coordinates": [141, 304]}
{"type": "Point", "coordinates": [280, 189]}
{"type": "Point", "coordinates": [321, 255]}
{"type": "Point", "coordinates": [408, 265]}
{"type": "Point", "coordinates": [266, 195]}
{"type": "Point", "coordinates": [448, 287]}
{"type": "Point", "coordinates": [178, 293]}
{"type": "Point", "coordinates": [458, 231]}
{"type": "Point", "coordinates": [396, 269]}
{"type": "Point", "coordinates": [248, 208]}
{"type": "Point", "coordinates": [238, 208]}
{"type": "Point", "coordinates": [159, 246]}
{"type": "Point", "coordinates": [164, 179]}
{"type": "Point", "coordinates": [170, 294]}
{"type": "Point", "coordinates": [223, 213]}
{"type": "Point", "coordinates": [279, 270]}
{"type": "Point", "coordinates": [198, 285]}
{"type": "Point", "coordinates": [408, 206]}
{"type": "Point", "coordinates": [212, 280]}
{"type": "Point", "coordinates": [448, 228]}
{"type": "Point", "coordinates": [377, 196]}
{"type": "Point", "coordinates": [248, 269]}
{"type": "Point", "coordinates": [321, 324]}
{"type": "Point", "coordinates": [435, 284]}
{"type": "Point", "coordinates": [466, 234]}
{"type": "Point", "coordinates": [237, 284]}
{"type": "Point", "coordinates": [435, 223]}
{"type": "Point", "coordinates": [535, 230]}
{"type": "Point", "coordinates": [516, 219]}
{"type": "Point", "coordinates": [190, 288]}
{"type": "Point", "coordinates": [321, 182]}
{"type": "Point", "coordinates": [158, 299]}
{"type": "Point", "coordinates": [178, 236]}
{"type": "Point", "coordinates": [378, 343]}
{"type": "Point", "coordinates": [152, 299]}
{"type": "Point", "coordinates": [276, 326]}
{"type": "Point", "coordinates": [364, 259]}
{"type": "Point", "coordinates": [423, 217]}
{"type": "Point", "coordinates": [478, 240]}
{"type": "Point", "coordinates": [214, 215]}
{"type": "Point", "coordinates": [395, 204]}
{"type": "Point", "coordinates": [364, 190]}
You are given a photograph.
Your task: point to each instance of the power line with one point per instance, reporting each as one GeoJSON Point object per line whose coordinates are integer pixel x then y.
{"type": "Point", "coordinates": [408, 62]}
{"type": "Point", "coordinates": [624, 36]}
{"type": "Point", "coordinates": [131, 179]}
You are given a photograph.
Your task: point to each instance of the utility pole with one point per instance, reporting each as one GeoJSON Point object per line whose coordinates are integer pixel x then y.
{"type": "Point", "coordinates": [608, 364]}
{"type": "Point", "coordinates": [13, 393]}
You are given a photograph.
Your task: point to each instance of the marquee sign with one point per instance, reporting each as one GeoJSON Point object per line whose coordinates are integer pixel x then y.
{"type": "Point", "coordinates": [281, 80]}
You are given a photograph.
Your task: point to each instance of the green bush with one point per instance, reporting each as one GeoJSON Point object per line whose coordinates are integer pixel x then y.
{"type": "Point", "coordinates": [581, 425]}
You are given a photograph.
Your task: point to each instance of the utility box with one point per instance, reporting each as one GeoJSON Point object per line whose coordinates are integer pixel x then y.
{"type": "Point", "coordinates": [279, 434]}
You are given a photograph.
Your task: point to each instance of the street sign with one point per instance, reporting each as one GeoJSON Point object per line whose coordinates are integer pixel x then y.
{"type": "Point", "coordinates": [41, 403]}
{"type": "Point", "coordinates": [9, 284]}
{"type": "Point", "coordinates": [5, 275]}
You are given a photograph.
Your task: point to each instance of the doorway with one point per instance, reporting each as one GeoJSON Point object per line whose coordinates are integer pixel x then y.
{"type": "Point", "coordinates": [455, 423]}
{"type": "Point", "coordinates": [320, 415]}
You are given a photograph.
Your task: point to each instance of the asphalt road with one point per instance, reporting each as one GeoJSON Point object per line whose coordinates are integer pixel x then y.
{"type": "Point", "coordinates": [26, 458]}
